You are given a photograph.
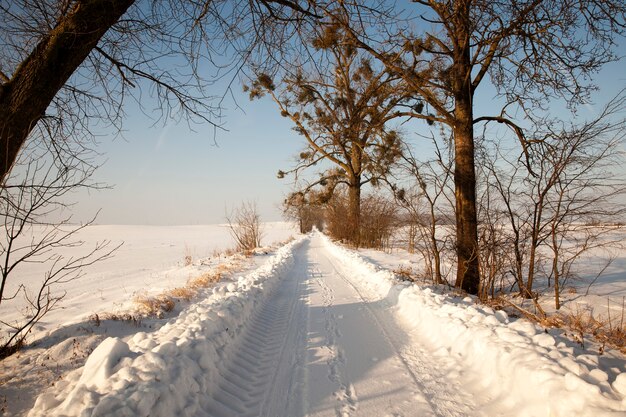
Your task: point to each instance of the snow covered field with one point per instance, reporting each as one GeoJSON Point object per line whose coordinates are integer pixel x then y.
{"type": "Point", "coordinates": [315, 330]}
{"type": "Point", "coordinates": [150, 260]}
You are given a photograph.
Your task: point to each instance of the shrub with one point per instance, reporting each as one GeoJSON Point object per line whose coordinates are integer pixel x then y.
{"type": "Point", "coordinates": [245, 226]}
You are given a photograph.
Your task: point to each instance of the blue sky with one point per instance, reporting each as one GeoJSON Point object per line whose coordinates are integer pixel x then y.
{"type": "Point", "coordinates": [172, 175]}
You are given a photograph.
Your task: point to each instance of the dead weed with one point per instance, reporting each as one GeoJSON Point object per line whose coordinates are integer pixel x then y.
{"type": "Point", "coordinates": [582, 323]}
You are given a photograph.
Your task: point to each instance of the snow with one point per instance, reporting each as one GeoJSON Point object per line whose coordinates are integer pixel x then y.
{"type": "Point", "coordinates": [162, 373]}
{"type": "Point", "coordinates": [150, 261]}
{"type": "Point", "coordinates": [320, 330]}
{"type": "Point", "coordinates": [520, 355]}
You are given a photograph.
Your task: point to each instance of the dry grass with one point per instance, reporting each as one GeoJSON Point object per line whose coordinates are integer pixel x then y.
{"type": "Point", "coordinates": [225, 253]}
{"type": "Point", "coordinates": [208, 279]}
{"type": "Point", "coordinates": [188, 259]}
{"type": "Point", "coordinates": [410, 274]}
{"type": "Point", "coordinates": [405, 273]}
{"type": "Point", "coordinates": [614, 332]}
{"type": "Point", "coordinates": [284, 242]}
{"type": "Point", "coordinates": [154, 306]}
{"type": "Point", "coordinates": [182, 293]}
{"type": "Point", "coordinates": [96, 319]}
{"type": "Point", "coordinates": [603, 329]}
{"type": "Point", "coordinates": [582, 323]}
{"type": "Point", "coordinates": [158, 305]}
{"type": "Point", "coordinates": [614, 336]}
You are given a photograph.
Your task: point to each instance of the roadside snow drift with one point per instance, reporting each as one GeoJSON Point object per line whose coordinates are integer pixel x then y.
{"type": "Point", "coordinates": [515, 366]}
{"type": "Point", "coordinates": [166, 373]}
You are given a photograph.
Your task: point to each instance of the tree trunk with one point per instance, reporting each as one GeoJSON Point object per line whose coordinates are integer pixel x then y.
{"type": "Point", "coordinates": [354, 211]}
{"type": "Point", "coordinates": [435, 244]}
{"type": "Point", "coordinates": [468, 276]}
{"type": "Point", "coordinates": [527, 291]}
{"type": "Point", "coordinates": [557, 290]}
{"type": "Point", "coordinates": [25, 98]}
{"type": "Point", "coordinates": [437, 261]}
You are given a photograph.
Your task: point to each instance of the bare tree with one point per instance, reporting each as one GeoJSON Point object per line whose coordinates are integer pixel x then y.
{"type": "Point", "coordinates": [342, 111]}
{"type": "Point", "coordinates": [69, 66]}
{"type": "Point", "coordinates": [65, 65]}
{"type": "Point", "coordinates": [244, 223]}
{"type": "Point", "coordinates": [533, 51]}
{"type": "Point", "coordinates": [502, 249]}
{"type": "Point", "coordinates": [428, 203]}
{"type": "Point", "coordinates": [378, 221]}
{"type": "Point", "coordinates": [31, 200]}
{"type": "Point", "coordinates": [583, 197]}
{"type": "Point", "coordinates": [573, 187]}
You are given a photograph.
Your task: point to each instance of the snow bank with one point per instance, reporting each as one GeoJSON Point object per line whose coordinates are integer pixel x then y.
{"type": "Point", "coordinates": [521, 369]}
{"type": "Point", "coordinates": [168, 372]}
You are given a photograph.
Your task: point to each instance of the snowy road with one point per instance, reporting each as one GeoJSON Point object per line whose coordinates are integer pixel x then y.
{"type": "Point", "coordinates": [321, 345]}
{"type": "Point", "coordinates": [318, 331]}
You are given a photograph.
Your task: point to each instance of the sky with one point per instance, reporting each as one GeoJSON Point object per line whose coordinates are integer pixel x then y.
{"type": "Point", "coordinates": [172, 175]}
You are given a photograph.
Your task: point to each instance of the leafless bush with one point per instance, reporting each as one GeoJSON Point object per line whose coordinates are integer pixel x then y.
{"type": "Point", "coordinates": [405, 273]}
{"type": "Point", "coordinates": [245, 226]}
{"type": "Point", "coordinates": [498, 246]}
{"type": "Point", "coordinates": [427, 205]}
{"type": "Point", "coordinates": [539, 220]}
{"type": "Point", "coordinates": [303, 209]}
{"type": "Point", "coordinates": [379, 218]}
{"type": "Point", "coordinates": [336, 220]}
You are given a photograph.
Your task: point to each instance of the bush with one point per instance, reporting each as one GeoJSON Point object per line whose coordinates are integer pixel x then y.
{"type": "Point", "coordinates": [245, 226]}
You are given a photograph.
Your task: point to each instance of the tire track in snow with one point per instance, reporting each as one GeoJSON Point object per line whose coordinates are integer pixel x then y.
{"type": "Point", "coordinates": [346, 395]}
{"type": "Point", "coordinates": [430, 374]}
{"type": "Point", "coordinates": [272, 369]}
{"type": "Point", "coordinates": [264, 373]}
{"type": "Point", "coordinates": [370, 366]}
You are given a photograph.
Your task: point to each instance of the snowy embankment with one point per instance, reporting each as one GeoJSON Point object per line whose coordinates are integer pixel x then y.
{"type": "Point", "coordinates": [170, 371]}
{"type": "Point", "coordinates": [515, 367]}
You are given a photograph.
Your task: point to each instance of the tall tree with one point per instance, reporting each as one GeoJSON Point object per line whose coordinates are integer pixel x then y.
{"type": "Point", "coordinates": [64, 64]}
{"type": "Point", "coordinates": [533, 50]}
{"type": "Point", "coordinates": [342, 110]}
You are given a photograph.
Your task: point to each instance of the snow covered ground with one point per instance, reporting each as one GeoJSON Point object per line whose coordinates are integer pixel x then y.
{"type": "Point", "coordinates": [318, 330]}
{"type": "Point", "coordinates": [150, 261]}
